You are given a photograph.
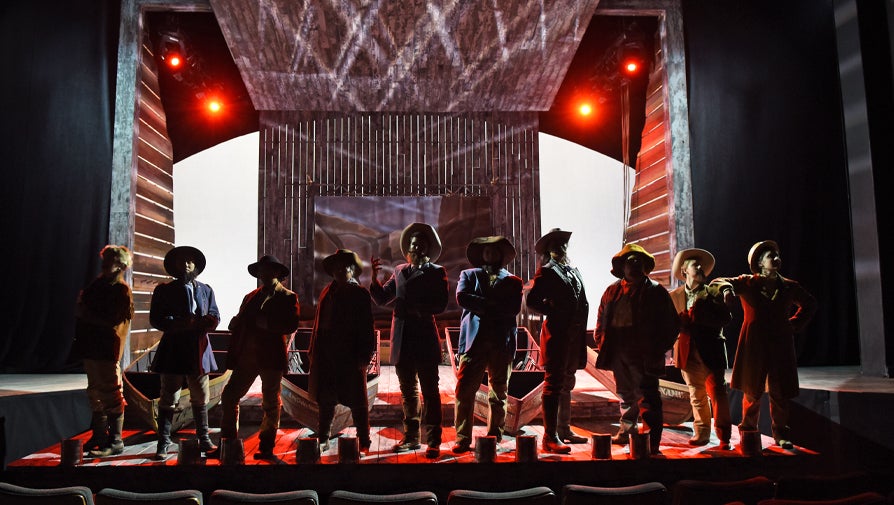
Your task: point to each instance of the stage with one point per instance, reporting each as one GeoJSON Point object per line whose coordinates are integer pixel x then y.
{"type": "Point", "coordinates": [383, 471]}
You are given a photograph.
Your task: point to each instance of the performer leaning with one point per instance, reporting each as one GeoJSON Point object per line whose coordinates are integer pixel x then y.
{"type": "Point", "coordinates": [258, 347]}
{"type": "Point", "coordinates": [636, 324]}
{"type": "Point", "coordinates": [342, 344]}
{"type": "Point", "coordinates": [418, 289]}
{"type": "Point", "coordinates": [103, 313]}
{"type": "Point", "coordinates": [185, 310]}
{"type": "Point", "coordinates": [700, 350]}
{"type": "Point", "coordinates": [765, 356]}
{"type": "Point", "coordinates": [491, 299]}
{"type": "Point", "coordinates": [558, 292]}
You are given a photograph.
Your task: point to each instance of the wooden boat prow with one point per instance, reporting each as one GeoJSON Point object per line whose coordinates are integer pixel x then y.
{"type": "Point", "coordinates": [296, 400]}
{"type": "Point", "coordinates": [674, 395]}
{"type": "Point", "coordinates": [142, 388]}
{"type": "Point", "coordinates": [525, 395]}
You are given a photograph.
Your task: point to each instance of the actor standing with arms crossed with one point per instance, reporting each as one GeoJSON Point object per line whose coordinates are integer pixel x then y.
{"type": "Point", "coordinates": [260, 335]}
{"type": "Point", "coordinates": [700, 350]}
{"type": "Point", "coordinates": [103, 314]}
{"type": "Point", "coordinates": [342, 344]}
{"type": "Point", "coordinates": [185, 310]}
{"type": "Point", "coordinates": [557, 292]}
{"type": "Point", "coordinates": [418, 289]}
{"type": "Point", "coordinates": [765, 356]}
{"type": "Point", "coordinates": [491, 299]}
{"type": "Point", "coordinates": [635, 326]}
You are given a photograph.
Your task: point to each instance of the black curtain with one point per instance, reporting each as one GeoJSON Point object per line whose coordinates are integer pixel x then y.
{"type": "Point", "coordinates": [58, 107]}
{"type": "Point", "coordinates": [768, 155]}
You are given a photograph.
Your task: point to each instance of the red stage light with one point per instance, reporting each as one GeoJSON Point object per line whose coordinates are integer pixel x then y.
{"type": "Point", "coordinates": [631, 66]}
{"type": "Point", "coordinates": [585, 109]}
{"type": "Point", "coordinates": [214, 106]}
{"type": "Point", "coordinates": [174, 60]}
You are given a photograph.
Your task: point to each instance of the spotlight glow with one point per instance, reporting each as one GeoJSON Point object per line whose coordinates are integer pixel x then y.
{"type": "Point", "coordinates": [174, 61]}
{"type": "Point", "coordinates": [631, 67]}
{"type": "Point", "coordinates": [585, 109]}
{"type": "Point", "coordinates": [214, 106]}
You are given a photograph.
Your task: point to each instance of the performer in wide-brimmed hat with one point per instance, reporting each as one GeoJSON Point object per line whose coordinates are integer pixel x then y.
{"type": "Point", "coordinates": [342, 344]}
{"type": "Point", "coordinates": [103, 312]}
{"type": "Point", "coordinates": [558, 292]}
{"type": "Point", "coordinates": [635, 326]}
{"type": "Point", "coordinates": [700, 349]}
{"type": "Point", "coordinates": [260, 335]}
{"type": "Point", "coordinates": [765, 355]}
{"type": "Point", "coordinates": [418, 290]}
{"type": "Point", "coordinates": [491, 299]}
{"type": "Point", "coordinates": [185, 310]}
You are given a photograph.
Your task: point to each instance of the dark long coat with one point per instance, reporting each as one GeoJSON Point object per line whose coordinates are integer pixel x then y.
{"type": "Point", "coordinates": [702, 326]}
{"type": "Point", "coordinates": [552, 294]}
{"type": "Point", "coordinates": [281, 314]}
{"type": "Point", "coordinates": [102, 333]}
{"type": "Point", "coordinates": [342, 344]}
{"type": "Point", "coordinates": [183, 350]}
{"type": "Point", "coordinates": [417, 294]}
{"type": "Point", "coordinates": [493, 308]}
{"type": "Point", "coordinates": [766, 341]}
{"type": "Point", "coordinates": [655, 323]}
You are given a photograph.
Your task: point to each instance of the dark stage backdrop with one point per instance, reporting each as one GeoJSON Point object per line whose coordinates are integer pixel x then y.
{"type": "Point", "coordinates": [768, 158]}
{"type": "Point", "coordinates": [57, 95]}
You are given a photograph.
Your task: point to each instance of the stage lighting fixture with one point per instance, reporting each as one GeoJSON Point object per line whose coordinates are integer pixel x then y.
{"type": "Point", "coordinates": [631, 58]}
{"type": "Point", "coordinates": [173, 50]}
{"type": "Point", "coordinates": [214, 106]}
{"type": "Point", "coordinates": [585, 109]}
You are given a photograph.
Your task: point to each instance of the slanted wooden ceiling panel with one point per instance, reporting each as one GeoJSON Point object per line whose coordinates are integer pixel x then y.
{"type": "Point", "coordinates": [362, 55]}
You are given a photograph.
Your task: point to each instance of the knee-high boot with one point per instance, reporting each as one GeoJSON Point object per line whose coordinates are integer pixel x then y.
{"type": "Point", "coordinates": [165, 421]}
{"type": "Point", "coordinates": [551, 441]}
{"type": "Point", "coordinates": [114, 443]}
{"type": "Point", "coordinates": [200, 414]}
{"type": "Point", "coordinates": [100, 437]}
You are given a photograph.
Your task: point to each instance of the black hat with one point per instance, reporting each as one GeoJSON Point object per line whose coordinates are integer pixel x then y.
{"type": "Point", "coordinates": [269, 260]}
{"type": "Point", "coordinates": [475, 249]}
{"type": "Point", "coordinates": [342, 257]}
{"type": "Point", "coordinates": [554, 234]}
{"type": "Point", "coordinates": [179, 252]}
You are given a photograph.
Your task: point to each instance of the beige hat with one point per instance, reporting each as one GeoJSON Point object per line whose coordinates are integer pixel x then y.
{"type": "Point", "coordinates": [705, 258]}
{"type": "Point", "coordinates": [342, 257]}
{"type": "Point", "coordinates": [757, 250]}
{"type": "Point", "coordinates": [618, 259]}
{"type": "Point", "coordinates": [431, 237]}
{"type": "Point", "coordinates": [475, 249]}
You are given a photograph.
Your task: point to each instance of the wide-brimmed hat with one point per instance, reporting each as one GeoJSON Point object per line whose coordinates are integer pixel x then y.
{"type": "Point", "coordinates": [431, 238]}
{"type": "Point", "coordinates": [705, 258]}
{"type": "Point", "coordinates": [268, 259]}
{"type": "Point", "coordinates": [757, 250]}
{"type": "Point", "coordinates": [342, 257]}
{"type": "Point", "coordinates": [618, 259]}
{"type": "Point", "coordinates": [554, 234]}
{"type": "Point", "coordinates": [475, 249]}
{"type": "Point", "coordinates": [180, 251]}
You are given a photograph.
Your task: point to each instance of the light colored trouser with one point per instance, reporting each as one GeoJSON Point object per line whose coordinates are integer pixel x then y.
{"type": "Point", "coordinates": [104, 388]}
{"type": "Point", "coordinates": [240, 382]}
{"type": "Point", "coordinates": [705, 383]}
{"type": "Point", "coordinates": [472, 366]}
{"type": "Point", "coordinates": [170, 390]}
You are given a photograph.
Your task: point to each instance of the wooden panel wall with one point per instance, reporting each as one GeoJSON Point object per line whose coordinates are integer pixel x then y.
{"type": "Point", "coordinates": [650, 222]}
{"type": "Point", "coordinates": [154, 216]}
{"type": "Point", "coordinates": [305, 155]}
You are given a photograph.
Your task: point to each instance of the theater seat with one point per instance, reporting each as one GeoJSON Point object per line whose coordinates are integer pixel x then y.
{"type": "Point", "coordinates": [649, 493]}
{"type": "Point", "coordinates": [16, 495]}
{"type": "Point", "coordinates": [302, 497]}
{"type": "Point", "coordinates": [351, 498]}
{"type": "Point", "coordinates": [117, 497]}
{"type": "Point", "coordinates": [532, 496]}
{"type": "Point", "coordinates": [859, 499]}
{"type": "Point", "coordinates": [822, 487]}
{"type": "Point", "coordinates": [702, 492]}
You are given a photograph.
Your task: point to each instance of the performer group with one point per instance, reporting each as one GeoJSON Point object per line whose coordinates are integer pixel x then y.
{"type": "Point", "coordinates": [638, 321]}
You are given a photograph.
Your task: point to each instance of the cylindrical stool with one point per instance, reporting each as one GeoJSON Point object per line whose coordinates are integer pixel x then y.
{"type": "Point", "coordinates": [72, 452]}
{"type": "Point", "coordinates": [348, 450]}
{"type": "Point", "coordinates": [525, 448]}
{"type": "Point", "coordinates": [308, 450]}
{"type": "Point", "coordinates": [639, 446]}
{"type": "Point", "coordinates": [188, 452]}
{"type": "Point", "coordinates": [602, 446]}
{"type": "Point", "coordinates": [750, 443]}
{"type": "Point", "coordinates": [232, 451]}
{"type": "Point", "coordinates": [486, 449]}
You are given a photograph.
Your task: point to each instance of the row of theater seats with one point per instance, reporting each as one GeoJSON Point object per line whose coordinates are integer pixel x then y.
{"type": "Point", "coordinates": [847, 489]}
